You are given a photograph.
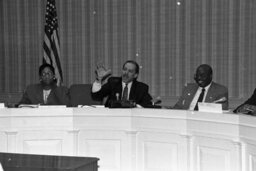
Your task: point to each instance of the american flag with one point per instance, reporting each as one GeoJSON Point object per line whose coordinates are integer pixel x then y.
{"type": "Point", "coordinates": [51, 40]}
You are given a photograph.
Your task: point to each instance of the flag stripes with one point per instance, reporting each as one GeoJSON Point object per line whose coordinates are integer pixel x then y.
{"type": "Point", "coordinates": [51, 43]}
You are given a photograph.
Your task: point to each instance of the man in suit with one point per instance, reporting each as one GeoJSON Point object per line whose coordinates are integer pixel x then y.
{"type": "Point", "coordinates": [204, 90]}
{"type": "Point", "coordinates": [46, 92]}
{"type": "Point", "coordinates": [125, 88]}
{"type": "Point", "coordinates": [249, 106]}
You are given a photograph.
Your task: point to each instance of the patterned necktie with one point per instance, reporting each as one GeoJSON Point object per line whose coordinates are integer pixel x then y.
{"type": "Point", "coordinates": [200, 99]}
{"type": "Point", "coordinates": [125, 92]}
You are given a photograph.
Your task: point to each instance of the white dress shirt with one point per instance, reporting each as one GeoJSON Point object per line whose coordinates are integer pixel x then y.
{"type": "Point", "coordinates": [129, 85]}
{"type": "Point", "coordinates": [198, 92]}
{"type": "Point", "coordinates": [46, 93]}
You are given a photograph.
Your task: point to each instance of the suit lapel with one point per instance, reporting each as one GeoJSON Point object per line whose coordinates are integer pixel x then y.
{"type": "Point", "coordinates": [40, 95]}
{"type": "Point", "coordinates": [190, 95]}
{"type": "Point", "coordinates": [210, 93]}
{"type": "Point", "coordinates": [51, 96]}
{"type": "Point", "coordinates": [133, 91]}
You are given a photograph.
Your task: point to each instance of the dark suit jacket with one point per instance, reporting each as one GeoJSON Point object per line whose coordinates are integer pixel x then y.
{"type": "Point", "coordinates": [34, 95]}
{"type": "Point", "coordinates": [138, 93]}
{"type": "Point", "coordinates": [250, 101]}
{"type": "Point", "coordinates": [215, 92]}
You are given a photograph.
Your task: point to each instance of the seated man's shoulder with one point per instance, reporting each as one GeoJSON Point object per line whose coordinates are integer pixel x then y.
{"type": "Point", "coordinates": [141, 84]}
{"type": "Point", "coordinates": [190, 85]}
{"type": "Point", "coordinates": [220, 86]}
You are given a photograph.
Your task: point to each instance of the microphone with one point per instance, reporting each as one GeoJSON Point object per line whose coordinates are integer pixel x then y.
{"type": "Point", "coordinates": [221, 100]}
{"type": "Point", "coordinates": [117, 96]}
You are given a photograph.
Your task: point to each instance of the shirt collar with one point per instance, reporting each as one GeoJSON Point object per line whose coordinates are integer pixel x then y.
{"type": "Point", "coordinates": [206, 88]}
{"type": "Point", "coordinates": [129, 85]}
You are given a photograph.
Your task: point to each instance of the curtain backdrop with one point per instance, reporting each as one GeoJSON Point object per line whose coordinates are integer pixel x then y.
{"type": "Point", "coordinates": [168, 38]}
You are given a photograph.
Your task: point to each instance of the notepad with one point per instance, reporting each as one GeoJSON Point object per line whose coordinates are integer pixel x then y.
{"type": "Point", "coordinates": [28, 106]}
{"type": "Point", "coordinates": [90, 106]}
{"type": "Point", "coordinates": [210, 107]}
{"type": "Point", "coordinates": [52, 106]}
{"type": "Point", "coordinates": [2, 105]}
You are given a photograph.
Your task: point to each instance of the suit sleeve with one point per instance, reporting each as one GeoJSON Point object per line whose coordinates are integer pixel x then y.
{"type": "Point", "coordinates": [250, 101]}
{"type": "Point", "coordinates": [225, 104]}
{"type": "Point", "coordinates": [179, 104]}
{"type": "Point", "coordinates": [146, 98]}
{"type": "Point", "coordinates": [103, 92]}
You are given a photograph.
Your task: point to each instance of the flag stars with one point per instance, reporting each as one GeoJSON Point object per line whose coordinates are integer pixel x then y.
{"type": "Point", "coordinates": [51, 16]}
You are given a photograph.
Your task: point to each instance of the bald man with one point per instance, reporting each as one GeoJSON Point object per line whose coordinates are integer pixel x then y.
{"type": "Point", "coordinates": [203, 90]}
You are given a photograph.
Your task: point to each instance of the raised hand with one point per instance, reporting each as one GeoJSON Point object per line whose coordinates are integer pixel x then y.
{"type": "Point", "coordinates": [102, 73]}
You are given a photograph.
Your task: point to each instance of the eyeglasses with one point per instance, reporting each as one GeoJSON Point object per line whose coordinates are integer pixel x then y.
{"type": "Point", "coordinates": [44, 74]}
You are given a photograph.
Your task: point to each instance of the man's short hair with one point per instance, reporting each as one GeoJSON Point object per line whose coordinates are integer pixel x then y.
{"type": "Point", "coordinates": [137, 67]}
{"type": "Point", "coordinates": [43, 66]}
{"type": "Point", "coordinates": [206, 66]}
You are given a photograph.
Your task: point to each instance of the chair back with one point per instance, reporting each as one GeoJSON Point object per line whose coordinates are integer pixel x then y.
{"type": "Point", "coordinates": [80, 94]}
